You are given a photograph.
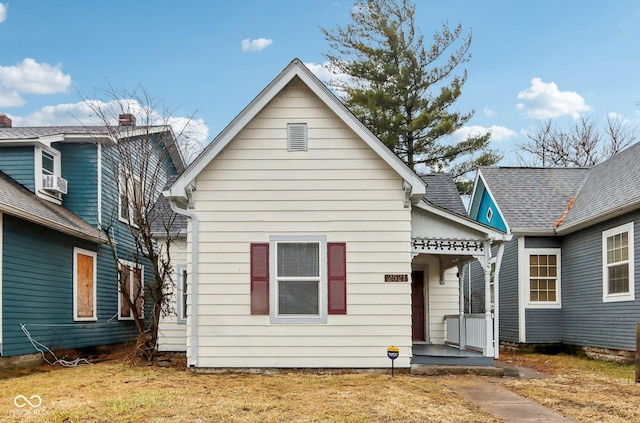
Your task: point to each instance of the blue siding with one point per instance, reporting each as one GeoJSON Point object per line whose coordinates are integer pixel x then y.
{"type": "Point", "coordinates": [587, 320]}
{"type": "Point", "coordinates": [37, 290]}
{"type": "Point", "coordinates": [508, 280]}
{"type": "Point", "coordinates": [544, 325]}
{"type": "Point", "coordinates": [487, 203]}
{"type": "Point", "coordinates": [508, 288]}
{"type": "Point", "coordinates": [18, 163]}
{"type": "Point", "coordinates": [80, 169]}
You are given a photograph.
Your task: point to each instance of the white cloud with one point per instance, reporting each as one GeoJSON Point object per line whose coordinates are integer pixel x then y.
{"type": "Point", "coordinates": [498, 133]}
{"type": "Point", "coordinates": [543, 101]}
{"type": "Point", "coordinates": [258, 44]}
{"type": "Point", "coordinates": [193, 133]}
{"type": "Point", "coordinates": [488, 112]}
{"type": "Point", "coordinates": [3, 12]}
{"type": "Point", "coordinates": [9, 98]}
{"type": "Point", "coordinates": [30, 77]}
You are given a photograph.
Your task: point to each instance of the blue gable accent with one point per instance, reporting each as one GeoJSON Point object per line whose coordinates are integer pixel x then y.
{"type": "Point", "coordinates": [482, 204]}
{"type": "Point", "coordinates": [19, 164]}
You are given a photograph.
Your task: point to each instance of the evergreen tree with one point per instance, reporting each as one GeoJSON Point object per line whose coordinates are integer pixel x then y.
{"type": "Point", "coordinates": [404, 92]}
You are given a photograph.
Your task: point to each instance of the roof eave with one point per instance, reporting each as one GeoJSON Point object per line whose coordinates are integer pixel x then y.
{"type": "Point", "coordinates": [14, 211]}
{"type": "Point", "coordinates": [600, 217]}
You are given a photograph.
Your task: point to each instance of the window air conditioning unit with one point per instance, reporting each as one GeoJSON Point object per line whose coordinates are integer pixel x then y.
{"type": "Point", "coordinates": [54, 183]}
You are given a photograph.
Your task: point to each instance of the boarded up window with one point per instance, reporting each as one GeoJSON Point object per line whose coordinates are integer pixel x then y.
{"type": "Point", "coordinates": [84, 285]}
{"type": "Point", "coordinates": [131, 287]}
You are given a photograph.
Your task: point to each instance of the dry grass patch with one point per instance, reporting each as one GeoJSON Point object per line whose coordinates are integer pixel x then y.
{"type": "Point", "coordinates": [117, 392]}
{"type": "Point", "coordinates": [587, 390]}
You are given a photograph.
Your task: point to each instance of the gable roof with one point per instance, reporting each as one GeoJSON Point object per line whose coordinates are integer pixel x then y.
{"type": "Point", "coordinates": [611, 188]}
{"type": "Point", "coordinates": [563, 200]}
{"type": "Point", "coordinates": [296, 69]}
{"type": "Point", "coordinates": [532, 200]}
{"type": "Point", "coordinates": [442, 191]}
{"type": "Point", "coordinates": [48, 134]}
{"type": "Point", "coordinates": [18, 201]}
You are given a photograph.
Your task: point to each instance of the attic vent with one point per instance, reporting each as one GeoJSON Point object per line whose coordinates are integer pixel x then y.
{"type": "Point", "coordinates": [297, 137]}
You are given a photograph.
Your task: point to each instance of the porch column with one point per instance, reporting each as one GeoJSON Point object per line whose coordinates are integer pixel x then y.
{"type": "Point", "coordinates": [488, 350]}
{"type": "Point", "coordinates": [461, 323]}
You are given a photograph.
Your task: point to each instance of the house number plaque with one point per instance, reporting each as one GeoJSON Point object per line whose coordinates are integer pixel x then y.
{"type": "Point", "coordinates": [396, 278]}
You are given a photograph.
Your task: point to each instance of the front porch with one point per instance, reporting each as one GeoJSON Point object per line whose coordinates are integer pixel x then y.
{"type": "Point", "coordinates": [445, 355]}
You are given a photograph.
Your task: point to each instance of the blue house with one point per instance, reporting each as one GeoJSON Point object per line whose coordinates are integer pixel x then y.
{"type": "Point", "coordinates": [59, 191]}
{"type": "Point", "coordinates": [569, 276]}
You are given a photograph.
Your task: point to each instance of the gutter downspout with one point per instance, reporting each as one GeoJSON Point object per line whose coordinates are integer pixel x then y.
{"type": "Point", "coordinates": [193, 362]}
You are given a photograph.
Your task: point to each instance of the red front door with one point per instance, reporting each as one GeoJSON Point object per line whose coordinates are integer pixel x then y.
{"type": "Point", "coordinates": [417, 306]}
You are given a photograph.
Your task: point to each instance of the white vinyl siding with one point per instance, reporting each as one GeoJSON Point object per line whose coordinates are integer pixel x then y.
{"type": "Point", "coordinates": [339, 188]}
{"type": "Point", "coordinates": [617, 264]}
{"type": "Point", "coordinates": [172, 328]}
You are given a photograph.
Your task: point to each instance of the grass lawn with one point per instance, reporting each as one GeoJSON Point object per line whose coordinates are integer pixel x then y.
{"type": "Point", "coordinates": [114, 391]}
{"type": "Point", "coordinates": [117, 392]}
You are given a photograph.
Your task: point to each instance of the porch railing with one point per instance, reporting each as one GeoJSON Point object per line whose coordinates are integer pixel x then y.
{"type": "Point", "coordinates": [475, 330]}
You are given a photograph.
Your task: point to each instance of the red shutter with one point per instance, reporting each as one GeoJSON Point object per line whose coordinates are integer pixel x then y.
{"type": "Point", "coordinates": [337, 277]}
{"type": "Point", "coordinates": [260, 278]}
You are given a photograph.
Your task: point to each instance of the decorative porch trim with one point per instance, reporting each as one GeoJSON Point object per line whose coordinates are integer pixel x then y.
{"type": "Point", "coordinates": [460, 246]}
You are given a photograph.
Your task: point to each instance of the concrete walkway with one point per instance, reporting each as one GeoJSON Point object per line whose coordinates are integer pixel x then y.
{"type": "Point", "coordinates": [506, 405]}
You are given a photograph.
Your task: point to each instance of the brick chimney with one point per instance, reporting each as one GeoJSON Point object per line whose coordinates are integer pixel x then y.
{"type": "Point", "coordinates": [127, 119]}
{"type": "Point", "coordinates": [5, 122]}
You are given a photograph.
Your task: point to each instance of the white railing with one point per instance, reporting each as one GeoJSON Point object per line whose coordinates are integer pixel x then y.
{"type": "Point", "coordinates": [475, 330]}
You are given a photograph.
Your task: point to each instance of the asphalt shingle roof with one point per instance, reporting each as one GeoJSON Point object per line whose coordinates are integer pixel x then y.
{"type": "Point", "coordinates": [443, 192]}
{"type": "Point", "coordinates": [533, 199]}
{"type": "Point", "coordinates": [17, 200]}
{"type": "Point", "coordinates": [546, 199]}
{"type": "Point", "coordinates": [45, 131]}
{"type": "Point", "coordinates": [611, 185]}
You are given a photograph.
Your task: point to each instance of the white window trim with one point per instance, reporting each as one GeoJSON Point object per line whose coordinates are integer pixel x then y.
{"type": "Point", "coordinates": [629, 296]}
{"type": "Point", "coordinates": [93, 254]}
{"type": "Point", "coordinates": [321, 317]}
{"type": "Point", "coordinates": [130, 188]}
{"type": "Point", "coordinates": [130, 266]}
{"type": "Point", "coordinates": [182, 280]}
{"type": "Point", "coordinates": [489, 214]}
{"type": "Point", "coordinates": [527, 277]}
{"type": "Point", "coordinates": [39, 174]}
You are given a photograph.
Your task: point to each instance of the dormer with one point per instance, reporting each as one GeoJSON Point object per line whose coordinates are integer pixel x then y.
{"type": "Point", "coordinates": [48, 176]}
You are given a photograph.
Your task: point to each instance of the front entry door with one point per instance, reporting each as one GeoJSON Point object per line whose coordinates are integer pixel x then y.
{"type": "Point", "coordinates": [417, 306]}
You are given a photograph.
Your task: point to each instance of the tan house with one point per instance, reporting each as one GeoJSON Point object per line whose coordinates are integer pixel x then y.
{"type": "Point", "coordinates": [304, 231]}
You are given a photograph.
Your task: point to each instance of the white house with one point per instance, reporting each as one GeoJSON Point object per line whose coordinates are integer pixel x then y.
{"type": "Point", "coordinates": [304, 230]}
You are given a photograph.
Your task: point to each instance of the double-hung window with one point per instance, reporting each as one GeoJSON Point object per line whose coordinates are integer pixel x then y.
{"type": "Point", "coordinates": [617, 264]}
{"type": "Point", "coordinates": [544, 277]}
{"type": "Point", "coordinates": [298, 279]}
{"type": "Point", "coordinates": [130, 197]}
{"type": "Point", "coordinates": [182, 294]}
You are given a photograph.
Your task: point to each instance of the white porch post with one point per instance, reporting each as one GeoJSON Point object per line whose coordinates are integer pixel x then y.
{"type": "Point", "coordinates": [461, 323]}
{"type": "Point", "coordinates": [488, 350]}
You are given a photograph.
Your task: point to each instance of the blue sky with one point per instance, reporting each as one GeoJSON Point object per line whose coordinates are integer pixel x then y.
{"type": "Point", "coordinates": [530, 59]}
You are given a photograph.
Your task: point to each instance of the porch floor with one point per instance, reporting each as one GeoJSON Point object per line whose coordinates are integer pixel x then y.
{"type": "Point", "coordinates": [445, 355]}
